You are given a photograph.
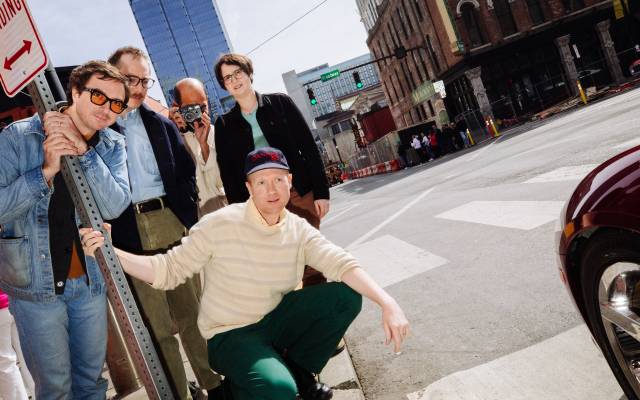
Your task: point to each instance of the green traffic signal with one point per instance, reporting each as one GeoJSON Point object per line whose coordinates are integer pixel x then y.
{"type": "Point", "coordinates": [357, 80]}
{"type": "Point", "coordinates": [312, 97]}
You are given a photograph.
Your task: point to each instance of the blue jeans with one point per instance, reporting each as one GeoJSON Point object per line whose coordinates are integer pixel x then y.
{"type": "Point", "coordinates": [65, 342]}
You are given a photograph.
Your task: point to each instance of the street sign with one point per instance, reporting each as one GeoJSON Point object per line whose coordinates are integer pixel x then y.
{"type": "Point", "coordinates": [330, 75]}
{"type": "Point", "coordinates": [23, 55]}
{"type": "Point", "coordinates": [439, 88]}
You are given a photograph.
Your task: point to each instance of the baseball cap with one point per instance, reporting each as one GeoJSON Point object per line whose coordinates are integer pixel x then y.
{"type": "Point", "coordinates": [263, 158]}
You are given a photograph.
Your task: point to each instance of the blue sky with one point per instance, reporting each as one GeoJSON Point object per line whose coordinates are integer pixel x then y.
{"type": "Point", "coordinates": [75, 31]}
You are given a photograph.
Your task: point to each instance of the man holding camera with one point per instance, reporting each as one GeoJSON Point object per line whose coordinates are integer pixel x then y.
{"type": "Point", "coordinates": [163, 207]}
{"type": "Point", "coordinates": [190, 113]}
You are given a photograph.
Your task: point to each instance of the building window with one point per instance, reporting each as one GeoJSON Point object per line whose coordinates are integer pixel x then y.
{"type": "Point", "coordinates": [535, 11]}
{"type": "Point", "coordinates": [432, 54]}
{"type": "Point", "coordinates": [470, 20]}
{"type": "Point", "coordinates": [404, 29]}
{"type": "Point", "coordinates": [393, 34]}
{"type": "Point", "coordinates": [407, 17]}
{"type": "Point", "coordinates": [572, 5]}
{"type": "Point", "coordinates": [335, 129]}
{"type": "Point", "coordinates": [431, 112]}
{"type": "Point", "coordinates": [502, 9]}
{"type": "Point", "coordinates": [421, 53]}
{"type": "Point", "coordinates": [407, 77]}
{"type": "Point", "coordinates": [416, 4]}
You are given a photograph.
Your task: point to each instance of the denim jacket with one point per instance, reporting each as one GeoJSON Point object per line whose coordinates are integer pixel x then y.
{"type": "Point", "coordinates": [25, 261]}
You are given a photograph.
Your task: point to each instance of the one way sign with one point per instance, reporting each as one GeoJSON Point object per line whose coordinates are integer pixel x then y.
{"type": "Point", "coordinates": [21, 50]}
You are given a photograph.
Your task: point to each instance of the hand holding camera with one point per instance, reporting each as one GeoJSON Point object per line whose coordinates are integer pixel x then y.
{"type": "Point", "coordinates": [191, 118]}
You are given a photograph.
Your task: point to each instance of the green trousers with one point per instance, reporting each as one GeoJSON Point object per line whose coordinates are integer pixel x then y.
{"type": "Point", "coordinates": [159, 230]}
{"type": "Point", "coordinates": [306, 326]}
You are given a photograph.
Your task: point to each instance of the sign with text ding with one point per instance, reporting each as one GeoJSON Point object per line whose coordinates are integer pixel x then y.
{"type": "Point", "coordinates": [22, 55]}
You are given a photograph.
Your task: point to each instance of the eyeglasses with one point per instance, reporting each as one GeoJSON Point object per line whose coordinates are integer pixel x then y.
{"type": "Point", "coordinates": [98, 98]}
{"type": "Point", "coordinates": [235, 75]}
{"type": "Point", "coordinates": [133, 80]}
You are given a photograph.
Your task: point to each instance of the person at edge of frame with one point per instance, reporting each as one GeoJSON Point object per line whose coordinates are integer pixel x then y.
{"type": "Point", "coordinates": [163, 206]}
{"type": "Point", "coordinates": [56, 294]}
{"type": "Point", "coordinates": [260, 120]}
{"type": "Point", "coordinates": [265, 337]}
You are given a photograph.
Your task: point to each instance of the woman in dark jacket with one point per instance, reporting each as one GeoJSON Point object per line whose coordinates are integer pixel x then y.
{"type": "Point", "coordinates": [260, 120]}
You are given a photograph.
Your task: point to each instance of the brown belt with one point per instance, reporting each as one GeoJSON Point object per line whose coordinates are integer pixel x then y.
{"type": "Point", "coordinates": [150, 205]}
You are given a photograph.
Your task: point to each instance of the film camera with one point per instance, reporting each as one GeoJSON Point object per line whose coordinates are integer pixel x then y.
{"type": "Point", "coordinates": [190, 114]}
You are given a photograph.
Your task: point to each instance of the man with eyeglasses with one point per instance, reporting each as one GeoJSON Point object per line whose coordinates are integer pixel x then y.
{"type": "Point", "coordinates": [261, 120]}
{"type": "Point", "coordinates": [57, 295]}
{"type": "Point", "coordinates": [190, 113]}
{"type": "Point", "coordinates": [163, 206]}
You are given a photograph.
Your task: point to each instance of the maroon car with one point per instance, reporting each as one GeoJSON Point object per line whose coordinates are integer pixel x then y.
{"type": "Point", "coordinates": [599, 252]}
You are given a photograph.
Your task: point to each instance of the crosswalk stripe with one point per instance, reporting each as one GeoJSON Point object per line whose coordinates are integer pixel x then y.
{"type": "Point", "coordinates": [524, 215]}
{"type": "Point", "coordinates": [390, 260]}
{"type": "Point", "coordinates": [570, 173]}
{"type": "Point", "coordinates": [565, 367]}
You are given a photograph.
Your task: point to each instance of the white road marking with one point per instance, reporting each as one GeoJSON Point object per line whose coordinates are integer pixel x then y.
{"type": "Point", "coordinates": [524, 215]}
{"type": "Point", "coordinates": [390, 219]}
{"type": "Point", "coordinates": [478, 153]}
{"type": "Point", "coordinates": [339, 213]}
{"type": "Point", "coordinates": [571, 173]}
{"type": "Point", "coordinates": [565, 367]}
{"type": "Point", "coordinates": [390, 260]}
{"type": "Point", "coordinates": [628, 144]}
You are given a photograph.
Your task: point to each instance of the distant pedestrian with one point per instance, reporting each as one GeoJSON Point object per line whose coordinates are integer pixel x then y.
{"type": "Point", "coordinates": [461, 128]}
{"type": "Point", "coordinates": [434, 142]}
{"type": "Point", "coordinates": [11, 384]}
{"type": "Point", "coordinates": [402, 153]}
{"type": "Point", "coordinates": [426, 147]}
{"type": "Point", "coordinates": [417, 146]}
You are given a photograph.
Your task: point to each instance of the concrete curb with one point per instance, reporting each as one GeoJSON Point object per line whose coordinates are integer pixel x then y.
{"type": "Point", "coordinates": [341, 376]}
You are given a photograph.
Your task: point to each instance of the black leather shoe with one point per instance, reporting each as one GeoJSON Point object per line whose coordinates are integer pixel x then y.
{"type": "Point", "coordinates": [218, 393]}
{"type": "Point", "coordinates": [308, 387]}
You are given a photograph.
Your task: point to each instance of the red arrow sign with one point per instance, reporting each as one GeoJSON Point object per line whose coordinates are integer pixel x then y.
{"type": "Point", "coordinates": [26, 48]}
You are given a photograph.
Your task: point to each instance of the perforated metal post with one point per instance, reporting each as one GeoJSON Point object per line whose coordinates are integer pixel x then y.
{"type": "Point", "coordinates": [129, 319]}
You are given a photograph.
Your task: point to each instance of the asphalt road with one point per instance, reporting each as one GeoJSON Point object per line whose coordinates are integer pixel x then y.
{"type": "Point", "coordinates": [466, 245]}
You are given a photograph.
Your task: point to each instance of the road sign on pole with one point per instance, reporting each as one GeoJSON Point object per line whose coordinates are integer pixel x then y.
{"type": "Point", "coordinates": [22, 52]}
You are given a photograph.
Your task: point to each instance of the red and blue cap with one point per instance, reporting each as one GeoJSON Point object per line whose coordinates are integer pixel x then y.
{"type": "Point", "coordinates": [264, 158]}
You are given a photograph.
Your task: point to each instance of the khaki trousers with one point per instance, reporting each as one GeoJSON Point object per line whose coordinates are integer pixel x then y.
{"type": "Point", "coordinates": [159, 231]}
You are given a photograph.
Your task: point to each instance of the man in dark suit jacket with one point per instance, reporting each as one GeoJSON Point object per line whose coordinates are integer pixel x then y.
{"type": "Point", "coordinates": [164, 207]}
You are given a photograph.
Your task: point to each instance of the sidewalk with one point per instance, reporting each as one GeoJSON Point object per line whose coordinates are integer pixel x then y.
{"type": "Point", "coordinates": [339, 374]}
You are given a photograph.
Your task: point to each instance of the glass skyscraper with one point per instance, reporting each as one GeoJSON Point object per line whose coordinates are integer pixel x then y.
{"type": "Point", "coordinates": [184, 39]}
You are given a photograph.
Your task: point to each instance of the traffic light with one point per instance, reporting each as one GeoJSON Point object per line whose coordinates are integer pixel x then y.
{"type": "Point", "coordinates": [312, 97]}
{"type": "Point", "coordinates": [356, 79]}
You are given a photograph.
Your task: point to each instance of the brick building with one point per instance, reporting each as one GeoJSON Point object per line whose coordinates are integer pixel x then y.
{"type": "Point", "coordinates": [501, 58]}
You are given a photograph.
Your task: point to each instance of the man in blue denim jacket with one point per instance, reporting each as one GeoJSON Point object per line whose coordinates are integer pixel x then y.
{"type": "Point", "coordinates": [58, 296]}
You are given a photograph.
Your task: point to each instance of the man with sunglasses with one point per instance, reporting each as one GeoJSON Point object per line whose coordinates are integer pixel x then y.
{"type": "Point", "coordinates": [189, 99]}
{"type": "Point", "coordinates": [57, 295]}
{"type": "Point", "coordinates": [163, 206]}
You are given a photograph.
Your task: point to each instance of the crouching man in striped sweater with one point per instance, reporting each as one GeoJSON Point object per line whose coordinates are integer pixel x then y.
{"type": "Point", "coordinates": [266, 338]}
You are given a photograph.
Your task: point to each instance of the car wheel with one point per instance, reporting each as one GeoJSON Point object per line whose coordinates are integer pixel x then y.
{"type": "Point", "coordinates": [610, 268]}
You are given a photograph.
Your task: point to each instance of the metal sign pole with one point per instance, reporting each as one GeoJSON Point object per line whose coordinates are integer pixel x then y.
{"type": "Point", "coordinates": [129, 319]}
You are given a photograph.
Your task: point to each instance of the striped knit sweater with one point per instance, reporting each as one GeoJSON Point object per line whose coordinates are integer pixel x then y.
{"type": "Point", "coordinates": [248, 266]}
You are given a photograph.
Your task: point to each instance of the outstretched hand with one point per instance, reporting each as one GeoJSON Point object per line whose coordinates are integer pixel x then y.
{"type": "Point", "coordinates": [395, 324]}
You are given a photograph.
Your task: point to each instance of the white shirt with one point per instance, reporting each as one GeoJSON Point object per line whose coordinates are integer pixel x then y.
{"type": "Point", "coordinates": [208, 181]}
{"type": "Point", "coordinates": [416, 144]}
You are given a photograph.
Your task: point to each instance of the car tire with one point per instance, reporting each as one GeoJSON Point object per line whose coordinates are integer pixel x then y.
{"type": "Point", "coordinates": [605, 255]}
